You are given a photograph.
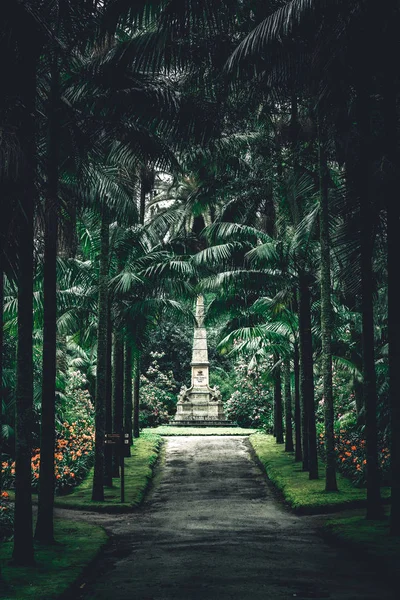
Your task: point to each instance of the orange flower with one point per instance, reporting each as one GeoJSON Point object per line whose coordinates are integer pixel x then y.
{"type": "Point", "coordinates": [4, 495]}
{"type": "Point", "coordinates": [72, 474]}
{"type": "Point", "coordinates": [354, 447]}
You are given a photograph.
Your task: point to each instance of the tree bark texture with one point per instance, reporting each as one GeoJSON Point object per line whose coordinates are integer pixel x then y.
{"type": "Point", "coordinates": [374, 503]}
{"type": "Point", "coordinates": [307, 378]}
{"type": "Point", "coordinates": [45, 526]}
{"type": "Point", "coordinates": [108, 451]}
{"type": "Point", "coordinates": [278, 404]}
{"type": "Point", "coordinates": [128, 400]}
{"type": "Point", "coordinates": [289, 446]}
{"type": "Point", "coordinates": [326, 316]}
{"type": "Point", "coordinates": [390, 113]}
{"type": "Point", "coordinates": [23, 553]}
{"type": "Point", "coordinates": [1, 360]}
{"type": "Point", "coordinates": [101, 373]}
{"type": "Point", "coordinates": [298, 456]}
{"type": "Point", "coordinates": [118, 392]}
{"type": "Point", "coordinates": [136, 394]}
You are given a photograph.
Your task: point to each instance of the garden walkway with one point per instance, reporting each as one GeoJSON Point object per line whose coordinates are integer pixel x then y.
{"type": "Point", "coordinates": [213, 529]}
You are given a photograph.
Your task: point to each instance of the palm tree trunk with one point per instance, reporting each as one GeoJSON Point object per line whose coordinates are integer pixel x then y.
{"type": "Point", "coordinates": [108, 451]}
{"type": "Point", "coordinates": [136, 394]}
{"type": "Point", "coordinates": [289, 446]}
{"type": "Point", "coordinates": [298, 456]}
{"type": "Point", "coordinates": [326, 316]}
{"type": "Point", "coordinates": [45, 526]}
{"type": "Point", "coordinates": [374, 504]}
{"type": "Point", "coordinates": [1, 361]}
{"type": "Point", "coordinates": [278, 404]}
{"type": "Point", "coordinates": [307, 379]}
{"type": "Point", "coordinates": [101, 371]}
{"type": "Point", "coordinates": [128, 393]}
{"type": "Point", "coordinates": [393, 221]}
{"type": "Point", "coordinates": [118, 392]}
{"type": "Point", "coordinates": [23, 553]}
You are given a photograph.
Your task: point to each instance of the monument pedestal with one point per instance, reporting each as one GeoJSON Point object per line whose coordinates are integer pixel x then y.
{"type": "Point", "coordinates": [200, 404]}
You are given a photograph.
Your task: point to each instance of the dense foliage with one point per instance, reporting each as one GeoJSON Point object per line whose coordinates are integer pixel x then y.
{"type": "Point", "coordinates": [152, 151]}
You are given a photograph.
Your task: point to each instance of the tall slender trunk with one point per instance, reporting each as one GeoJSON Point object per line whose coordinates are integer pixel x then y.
{"type": "Point", "coordinates": [304, 406]}
{"type": "Point", "coordinates": [108, 450]}
{"type": "Point", "coordinates": [45, 526]}
{"type": "Point", "coordinates": [128, 406]}
{"type": "Point", "coordinates": [142, 199]}
{"type": "Point", "coordinates": [326, 314]}
{"type": "Point", "coordinates": [390, 113]}
{"type": "Point", "coordinates": [298, 456]}
{"type": "Point", "coordinates": [101, 371]}
{"type": "Point", "coordinates": [1, 361]}
{"type": "Point", "coordinates": [278, 404]}
{"type": "Point", "coordinates": [23, 553]}
{"type": "Point", "coordinates": [2, 585]}
{"type": "Point", "coordinates": [136, 360]}
{"type": "Point", "coordinates": [136, 395]}
{"type": "Point", "coordinates": [118, 392]}
{"type": "Point", "coordinates": [289, 446]}
{"type": "Point", "coordinates": [307, 378]}
{"type": "Point", "coordinates": [374, 504]}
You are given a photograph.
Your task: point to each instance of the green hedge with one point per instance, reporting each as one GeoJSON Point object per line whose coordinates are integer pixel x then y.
{"type": "Point", "coordinates": [301, 494]}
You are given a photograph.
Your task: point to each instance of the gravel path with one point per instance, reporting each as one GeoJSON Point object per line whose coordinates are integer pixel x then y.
{"type": "Point", "coordinates": [212, 529]}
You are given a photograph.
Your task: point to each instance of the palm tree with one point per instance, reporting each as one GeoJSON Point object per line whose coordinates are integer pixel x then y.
{"type": "Point", "coordinates": [101, 371]}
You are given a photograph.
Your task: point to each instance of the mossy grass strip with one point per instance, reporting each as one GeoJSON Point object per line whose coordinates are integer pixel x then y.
{"type": "Point", "coordinates": [301, 494]}
{"type": "Point", "coordinates": [176, 430]}
{"type": "Point", "coordinates": [138, 474]}
{"type": "Point", "coordinates": [367, 538]}
{"type": "Point", "coordinates": [57, 567]}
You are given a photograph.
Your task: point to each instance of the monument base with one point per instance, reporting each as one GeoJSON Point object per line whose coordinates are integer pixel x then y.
{"type": "Point", "coordinates": [200, 424]}
{"type": "Point", "coordinates": [200, 406]}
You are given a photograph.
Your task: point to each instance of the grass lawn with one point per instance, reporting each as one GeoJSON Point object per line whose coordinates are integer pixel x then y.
{"type": "Point", "coordinates": [57, 567]}
{"type": "Point", "coordinates": [301, 494]}
{"type": "Point", "coordinates": [370, 538]}
{"type": "Point", "coordinates": [138, 474]}
{"type": "Point", "coordinates": [173, 430]}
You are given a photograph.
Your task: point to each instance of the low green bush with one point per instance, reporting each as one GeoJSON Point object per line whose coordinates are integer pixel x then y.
{"type": "Point", "coordinates": [301, 494]}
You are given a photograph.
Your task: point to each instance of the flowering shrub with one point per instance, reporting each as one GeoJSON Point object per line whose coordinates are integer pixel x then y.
{"type": "Point", "coordinates": [343, 394]}
{"type": "Point", "coordinates": [73, 458]}
{"type": "Point", "coordinates": [78, 404]}
{"type": "Point", "coordinates": [250, 405]}
{"type": "Point", "coordinates": [351, 455]}
{"type": "Point", "coordinates": [157, 394]}
{"type": "Point", "coordinates": [6, 517]}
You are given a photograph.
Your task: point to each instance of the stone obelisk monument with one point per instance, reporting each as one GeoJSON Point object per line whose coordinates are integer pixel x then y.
{"type": "Point", "coordinates": [200, 404]}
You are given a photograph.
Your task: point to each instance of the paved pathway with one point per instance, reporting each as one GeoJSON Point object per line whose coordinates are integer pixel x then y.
{"type": "Point", "coordinates": [213, 530]}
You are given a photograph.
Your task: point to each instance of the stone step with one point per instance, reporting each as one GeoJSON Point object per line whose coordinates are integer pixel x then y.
{"type": "Point", "coordinates": [202, 423]}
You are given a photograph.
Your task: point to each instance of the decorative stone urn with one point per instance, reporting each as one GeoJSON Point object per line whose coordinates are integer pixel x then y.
{"type": "Point", "coordinates": [200, 404]}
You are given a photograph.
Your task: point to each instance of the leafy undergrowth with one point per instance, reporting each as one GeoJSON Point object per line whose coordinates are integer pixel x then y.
{"type": "Point", "coordinates": [370, 538]}
{"type": "Point", "coordinates": [57, 566]}
{"type": "Point", "coordinates": [138, 474]}
{"type": "Point", "coordinates": [301, 494]}
{"type": "Point", "coordinates": [173, 430]}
